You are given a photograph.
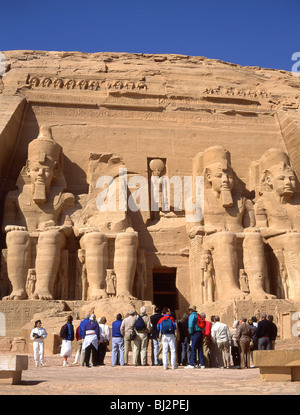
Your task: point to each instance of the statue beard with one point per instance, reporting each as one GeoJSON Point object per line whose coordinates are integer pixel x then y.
{"type": "Point", "coordinates": [39, 193]}
{"type": "Point", "coordinates": [226, 198]}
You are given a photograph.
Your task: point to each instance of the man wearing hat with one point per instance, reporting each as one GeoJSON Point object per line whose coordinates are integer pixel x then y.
{"type": "Point", "coordinates": [126, 330]}
{"type": "Point", "coordinates": [36, 210]}
{"type": "Point", "coordinates": [196, 338]}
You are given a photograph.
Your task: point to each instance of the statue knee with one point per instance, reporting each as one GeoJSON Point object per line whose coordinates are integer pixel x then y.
{"type": "Point", "coordinates": [127, 239]}
{"type": "Point", "coordinates": [253, 238]}
{"type": "Point", "coordinates": [17, 238]}
{"type": "Point", "coordinates": [51, 237]}
{"type": "Point", "coordinates": [92, 239]}
{"type": "Point", "coordinates": [228, 238]}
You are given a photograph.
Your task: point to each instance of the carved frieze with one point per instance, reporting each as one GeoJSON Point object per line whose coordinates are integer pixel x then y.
{"type": "Point", "coordinates": [50, 82]}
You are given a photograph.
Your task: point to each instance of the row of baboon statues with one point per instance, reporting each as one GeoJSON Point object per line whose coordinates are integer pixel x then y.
{"type": "Point", "coordinates": [227, 246]}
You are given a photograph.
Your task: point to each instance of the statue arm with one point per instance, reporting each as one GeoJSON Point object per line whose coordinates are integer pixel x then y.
{"type": "Point", "coordinates": [249, 210]}
{"type": "Point", "coordinates": [263, 224]}
{"type": "Point", "coordinates": [200, 230]}
{"type": "Point", "coordinates": [10, 216]}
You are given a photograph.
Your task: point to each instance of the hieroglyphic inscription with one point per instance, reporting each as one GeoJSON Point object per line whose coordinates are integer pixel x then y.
{"type": "Point", "coordinates": [85, 84]}
{"type": "Point", "coordinates": [235, 91]}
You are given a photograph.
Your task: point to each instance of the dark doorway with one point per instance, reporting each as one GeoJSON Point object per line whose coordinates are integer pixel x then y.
{"type": "Point", "coordinates": [164, 288]}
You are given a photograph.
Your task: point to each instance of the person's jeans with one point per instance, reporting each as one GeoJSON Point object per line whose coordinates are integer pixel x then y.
{"type": "Point", "coordinates": [155, 349]}
{"type": "Point", "coordinates": [168, 340]}
{"type": "Point", "coordinates": [102, 348]}
{"type": "Point", "coordinates": [38, 351]}
{"type": "Point", "coordinates": [224, 356]}
{"type": "Point", "coordinates": [91, 349]}
{"type": "Point", "coordinates": [140, 345]}
{"type": "Point", "coordinates": [127, 344]}
{"type": "Point", "coordinates": [197, 340]}
{"type": "Point", "coordinates": [185, 351]}
{"type": "Point", "coordinates": [264, 343]}
{"type": "Point", "coordinates": [117, 349]}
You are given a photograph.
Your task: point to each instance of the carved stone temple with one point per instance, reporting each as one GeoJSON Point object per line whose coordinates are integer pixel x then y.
{"type": "Point", "coordinates": [130, 179]}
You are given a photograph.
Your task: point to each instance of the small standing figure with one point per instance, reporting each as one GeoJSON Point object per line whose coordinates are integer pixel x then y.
{"type": "Point", "coordinates": [284, 280]}
{"type": "Point", "coordinates": [244, 284]}
{"type": "Point", "coordinates": [83, 273]}
{"type": "Point", "coordinates": [207, 277]}
{"type": "Point", "coordinates": [110, 280]}
{"type": "Point", "coordinates": [30, 283]}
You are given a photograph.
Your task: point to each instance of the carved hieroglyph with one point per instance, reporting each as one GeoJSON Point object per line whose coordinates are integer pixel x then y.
{"type": "Point", "coordinates": [277, 210]}
{"type": "Point", "coordinates": [228, 223]}
{"type": "Point", "coordinates": [36, 210]}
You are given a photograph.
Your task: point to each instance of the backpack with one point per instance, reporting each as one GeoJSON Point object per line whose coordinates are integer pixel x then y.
{"type": "Point", "coordinates": [167, 327]}
{"type": "Point", "coordinates": [140, 324]}
{"type": "Point", "coordinates": [63, 332]}
{"type": "Point", "coordinates": [200, 322]}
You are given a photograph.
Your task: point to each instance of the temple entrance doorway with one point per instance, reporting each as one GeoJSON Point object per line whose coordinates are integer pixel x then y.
{"type": "Point", "coordinates": [164, 288]}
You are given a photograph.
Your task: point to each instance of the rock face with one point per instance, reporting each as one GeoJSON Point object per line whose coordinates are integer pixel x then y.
{"type": "Point", "coordinates": [92, 147]}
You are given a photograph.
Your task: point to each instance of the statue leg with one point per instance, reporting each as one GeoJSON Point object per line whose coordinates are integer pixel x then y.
{"type": "Point", "coordinates": [18, 260]}
{"type": "Point", "coordinates": [254, 263]}
{"type": "Point", "coordinates": [223, 247]}
{"type": "Point", "coordinates": [96, 261]}
{"type": "Point", "coordinates": [291, 250]}
{"type": "Point", "coordinates": [125, 262]}
{"type": "Point", "coordinates": [47, 261]}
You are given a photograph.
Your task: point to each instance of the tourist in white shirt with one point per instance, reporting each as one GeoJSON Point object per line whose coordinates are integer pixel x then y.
{"type": "Point", "coordinates": [104, 339]}
{"type": "Point", "coordinates": [38, 334]}
{"type": "Point", "coordinates": [220, 335]}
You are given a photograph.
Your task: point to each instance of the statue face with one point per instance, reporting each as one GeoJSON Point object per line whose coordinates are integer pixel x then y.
{"type": "Point", "coordinates": [41, 173]}
{"type": "Point", "coordinates": [220, 178]}
{"type": "Point", "coordinates": [282, 181]}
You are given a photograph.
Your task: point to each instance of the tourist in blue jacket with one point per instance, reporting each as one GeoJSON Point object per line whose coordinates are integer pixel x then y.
{"type": "Point", "coordinates": [118, 348]}
{"type": "Point", "coordinates": [196, 338]}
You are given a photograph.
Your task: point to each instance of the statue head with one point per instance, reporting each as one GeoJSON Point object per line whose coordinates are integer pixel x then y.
{"type": "Point", "coordinates": [157, 166]}
{"type": "Point", "coordinates": [218, 172]}
{"type": "Point", "coordinates": [277, 174]}
{"type": "Point", "coordinates": [44, 159]}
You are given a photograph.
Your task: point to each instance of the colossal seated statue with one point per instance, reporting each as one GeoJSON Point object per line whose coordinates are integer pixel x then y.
{"type": "Point", "coordinates": [228, 227]}
{"type": "Point", "coordinates": [277, 210]}
{"type": "Point", "coordinates": [96, 223]}
{"type": "Point", "coordinates": [37, 209]}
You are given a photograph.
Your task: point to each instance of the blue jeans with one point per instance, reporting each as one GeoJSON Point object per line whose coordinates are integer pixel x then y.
{"type": "Point", "coordinates": [155, 349]}
{"type": "Point", "coordinates": [185, 351]}
{"type": "Point", "coordinates": [197, 340]}
{"type": "Point", "coordinates": [264, 343]}
{"type": "Point", "coordinates": [117, 349]}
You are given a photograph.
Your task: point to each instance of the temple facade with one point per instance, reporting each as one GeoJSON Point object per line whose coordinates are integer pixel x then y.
{"type": "Point", "coordinates": [166, 179]}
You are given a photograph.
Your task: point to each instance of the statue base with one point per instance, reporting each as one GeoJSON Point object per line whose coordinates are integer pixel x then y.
{"type": "Point", "coordinates": [286, 313]}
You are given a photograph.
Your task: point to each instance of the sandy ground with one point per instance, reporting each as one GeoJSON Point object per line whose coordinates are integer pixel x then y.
{"type": "Point", "coordinates": [54, 379]}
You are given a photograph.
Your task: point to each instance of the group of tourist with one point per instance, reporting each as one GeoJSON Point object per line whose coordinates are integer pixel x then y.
{"type": "Point", "coordinates": [193, 342]}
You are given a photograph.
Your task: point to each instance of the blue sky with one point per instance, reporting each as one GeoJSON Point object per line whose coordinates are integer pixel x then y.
{"type": "Point", "coordinates": [261, 33]}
